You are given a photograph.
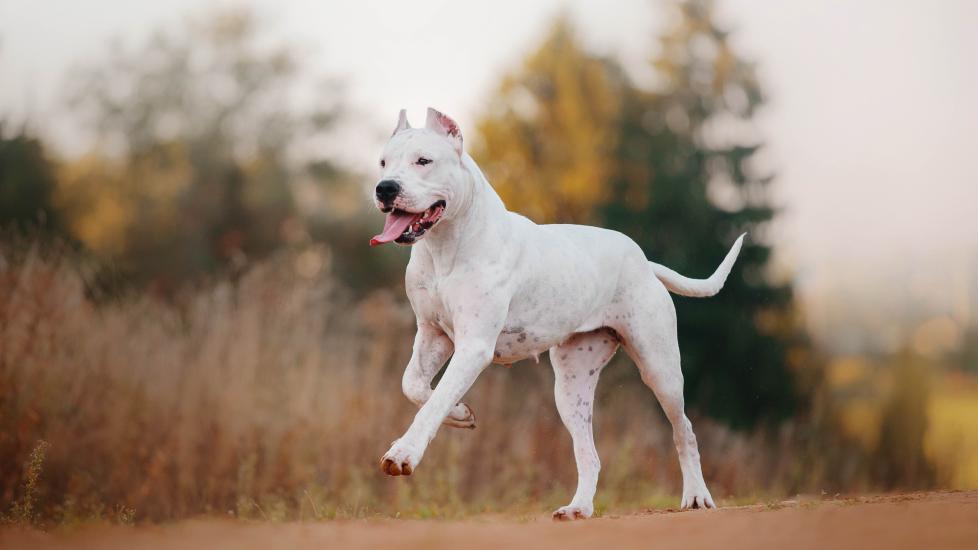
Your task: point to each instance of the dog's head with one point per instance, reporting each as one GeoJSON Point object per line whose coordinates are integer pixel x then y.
{"type": "Point", "coordinates": [421, 178]}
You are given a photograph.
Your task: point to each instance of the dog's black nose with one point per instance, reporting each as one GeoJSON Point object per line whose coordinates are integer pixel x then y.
{"type": "Point", "coordinates": [387, 190]}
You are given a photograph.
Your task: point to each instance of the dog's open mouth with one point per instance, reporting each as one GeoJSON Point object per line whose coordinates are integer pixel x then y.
{"type": "Point", "coordinates": [407, 227]}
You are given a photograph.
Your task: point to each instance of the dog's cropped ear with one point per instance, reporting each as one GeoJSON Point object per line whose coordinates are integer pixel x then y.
{"type": "Point", "coordinates": [402, 122]}
{"type": "Point", "coordinates": [444, 125]}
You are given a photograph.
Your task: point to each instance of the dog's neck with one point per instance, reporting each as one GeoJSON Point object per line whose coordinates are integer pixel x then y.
{"type": "Point", "coordinates": [480, 217]}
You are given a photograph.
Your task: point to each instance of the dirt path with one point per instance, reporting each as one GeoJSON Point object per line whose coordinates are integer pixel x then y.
{"type": "Point", "coordinates": [919, 520]}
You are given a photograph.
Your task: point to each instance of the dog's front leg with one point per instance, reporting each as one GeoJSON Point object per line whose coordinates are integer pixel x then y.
{"type": "Point", "coordinates": [471, 357]}
{"type": "Point", "coordinates": [432, 347]}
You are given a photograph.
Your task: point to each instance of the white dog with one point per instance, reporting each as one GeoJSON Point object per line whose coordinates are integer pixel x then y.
{"type": "Point", "coordinates": [490, 286]}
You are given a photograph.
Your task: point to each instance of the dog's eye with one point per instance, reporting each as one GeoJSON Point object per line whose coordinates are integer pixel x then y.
{"type": "Point", "coordinates": [423, 161]}
{"type": "Point", "coordinates": [382, 163]}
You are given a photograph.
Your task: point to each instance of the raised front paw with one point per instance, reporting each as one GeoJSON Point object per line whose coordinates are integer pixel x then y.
{"type": "Point", "coordinates": [461, 417]}
{"type": "Point", "coordinates": [571, 512]}
{"type": "Point", "coordinates": [400, 460]}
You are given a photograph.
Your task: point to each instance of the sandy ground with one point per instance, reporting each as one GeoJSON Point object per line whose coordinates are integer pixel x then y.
{"type": "Point", "coordinates": [918, 520]}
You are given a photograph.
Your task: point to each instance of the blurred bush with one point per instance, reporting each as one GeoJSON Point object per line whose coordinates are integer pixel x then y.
{"type": "Point", "coordinates": [28, 182]}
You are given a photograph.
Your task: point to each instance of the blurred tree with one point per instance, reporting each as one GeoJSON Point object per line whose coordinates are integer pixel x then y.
{"type": "Point", "coordinates": [900, 460]}
{"type": "Point", "coordinates": [685, 189]}
{"type": "Point", "coordinates": [27, 184]}
{"type": "Point", "coordinates": [196, 165]}
{"type": "Point", "coordinates": [966, 356]}
{"type": "Point", "coordinates": [568, 138]}
{"type": "Point", "coordinates": [548, 136]}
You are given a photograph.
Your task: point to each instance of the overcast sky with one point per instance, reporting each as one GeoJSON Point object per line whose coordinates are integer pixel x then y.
{"type": "Point", "coordinates": [872, 125]}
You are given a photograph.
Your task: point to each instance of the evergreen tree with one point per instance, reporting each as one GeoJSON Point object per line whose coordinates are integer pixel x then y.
{"type": "Point", "coordinates": [27, 184]}
{"type": "Point", "coordinates": [684, 191]}
{"type": "Point", "coordinates": [568, 138]}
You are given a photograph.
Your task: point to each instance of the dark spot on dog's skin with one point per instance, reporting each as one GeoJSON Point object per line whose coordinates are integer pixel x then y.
{"type": "Point", "coordinates": [512, 330]}
{"type": "Point", "coordinates": [591, 372]}
{"type": "Point", "coordinates": [498, 355]}
{"type": "Point", "coordinates": [588, 418]}
{"type": "Point", "coordinates": [563, 357]}
{"type": "Point", "coordinates": [604, 341]}
{"type": "Point", "coordinates": [589, 348]}
{"type": "Point", "coordinates": [521, 338]}
{"type": "Point", "coordinates": [580, 349]}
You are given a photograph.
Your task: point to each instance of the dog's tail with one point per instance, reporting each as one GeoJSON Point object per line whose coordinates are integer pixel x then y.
{"type": "Point", "coordinates": [699, 288]}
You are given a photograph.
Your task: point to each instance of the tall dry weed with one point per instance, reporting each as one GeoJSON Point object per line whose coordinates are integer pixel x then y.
{"type": "Point", "coordinates": [274, 397]}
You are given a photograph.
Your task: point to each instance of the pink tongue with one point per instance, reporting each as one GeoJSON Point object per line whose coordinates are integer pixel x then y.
{"type": "Point", "coordinates": [396, 223]}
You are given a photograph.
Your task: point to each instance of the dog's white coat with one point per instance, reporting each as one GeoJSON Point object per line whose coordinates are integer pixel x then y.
{"type": "Point", "coordinates": [488, 285]}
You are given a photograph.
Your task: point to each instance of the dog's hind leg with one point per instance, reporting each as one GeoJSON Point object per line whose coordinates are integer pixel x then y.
{"type": "Point", "coordinates": [577, 364]}
{"type": "Point", "coordinates": [648, 330]}
{"type": "Point", "coordinates": [432, 348]}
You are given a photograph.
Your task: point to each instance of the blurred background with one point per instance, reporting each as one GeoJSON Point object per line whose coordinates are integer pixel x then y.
{"type": "Point", "coordinates": [191, 321]}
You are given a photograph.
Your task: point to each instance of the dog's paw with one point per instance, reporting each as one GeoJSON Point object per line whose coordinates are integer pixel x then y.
{"type": "Point", "coordinates": [400, 460]}
{"type": "Point", "coordinates": [697, 499]}
{"type": "Point", "coordinates": [571, 513]}
{"type": "Point", "coordinates": [461, 417]}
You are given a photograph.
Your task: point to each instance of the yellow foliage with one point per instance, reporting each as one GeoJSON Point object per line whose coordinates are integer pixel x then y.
{"type": "Point", "coordinates": [547, 141]}
{"type": "Point", "coordinates": [847, 371]}
{"type": "Point", "coordinates": [103, 200]}
{"type": "Point", "coordinates": [859, 417]}
{"type": "Point", "coordinates": [97, 209]}
{"type": "Point", "coordinates": [952, 435]}
{"type": "Point", "coordinates": [860, 420]}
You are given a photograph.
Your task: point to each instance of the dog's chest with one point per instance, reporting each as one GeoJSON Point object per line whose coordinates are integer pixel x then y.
{"type": "Point", "coordinates": [430, 305]}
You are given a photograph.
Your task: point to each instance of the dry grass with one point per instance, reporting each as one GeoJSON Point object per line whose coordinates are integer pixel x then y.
{"type": "Point", "coordinates": [274, 398]}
